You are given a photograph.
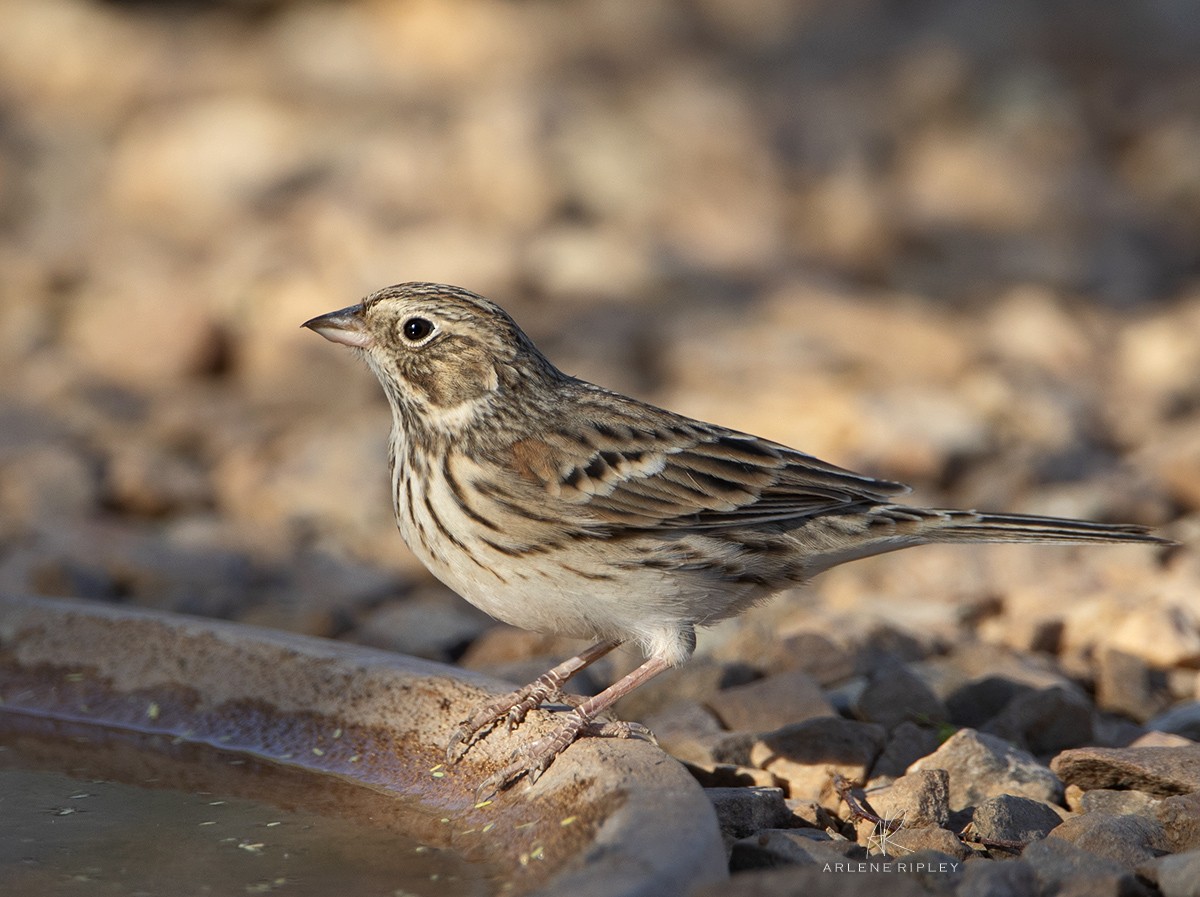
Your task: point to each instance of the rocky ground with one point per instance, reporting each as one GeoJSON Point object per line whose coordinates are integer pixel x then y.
{"type": "Point", "coordinates": [955, 246]}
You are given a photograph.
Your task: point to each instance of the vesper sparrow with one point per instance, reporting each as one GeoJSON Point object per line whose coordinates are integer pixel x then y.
{"type": "Point", "coordinates": [558, 506]}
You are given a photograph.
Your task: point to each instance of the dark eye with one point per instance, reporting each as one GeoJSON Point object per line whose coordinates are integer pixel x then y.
{"type": "Point", "coordinates": [416, 329]}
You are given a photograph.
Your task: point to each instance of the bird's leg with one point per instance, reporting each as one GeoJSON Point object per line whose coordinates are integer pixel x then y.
{"type": "Point", "coordinates": [514, 707]}
{"type": "Point", "coordinates": [534, 758]}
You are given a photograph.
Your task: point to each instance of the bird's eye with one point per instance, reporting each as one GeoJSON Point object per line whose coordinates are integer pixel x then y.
{"type": "Point", "coordinates": [416, 329]}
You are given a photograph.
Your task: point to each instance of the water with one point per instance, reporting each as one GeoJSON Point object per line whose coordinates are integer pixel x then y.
{"type": "Point", "coordinates": [86, 813]}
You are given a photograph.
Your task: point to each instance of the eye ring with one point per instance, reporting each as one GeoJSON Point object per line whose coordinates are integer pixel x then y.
{"type": "Point", "coordinates": [417, 329]}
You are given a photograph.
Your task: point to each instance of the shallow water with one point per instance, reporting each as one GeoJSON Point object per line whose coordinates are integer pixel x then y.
{"type": "Point", "coordinates": [94, 814]}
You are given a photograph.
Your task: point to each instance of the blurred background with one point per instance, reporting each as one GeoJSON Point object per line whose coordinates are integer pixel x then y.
{"type": "Point", "coordinates": [955, 243]}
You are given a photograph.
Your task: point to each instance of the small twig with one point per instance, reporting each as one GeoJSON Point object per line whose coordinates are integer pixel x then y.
{"type": "Point", "coordinates": [842, 786]}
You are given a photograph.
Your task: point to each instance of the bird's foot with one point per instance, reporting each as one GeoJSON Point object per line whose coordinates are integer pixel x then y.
{"type": "Point", "coordinates": [534, 758]}
{"type": "Point", "coordinates": [510, 709]}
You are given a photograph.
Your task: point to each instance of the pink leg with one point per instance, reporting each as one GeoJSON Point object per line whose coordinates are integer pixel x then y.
{"type": "Point", "coordinates": [514, 707]}
{"type": "Point", "coordinates": [533, 759]}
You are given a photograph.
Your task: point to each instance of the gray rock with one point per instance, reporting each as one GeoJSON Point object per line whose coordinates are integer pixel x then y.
{"type": "Point", "coordinates": [1183, 719]}
{"type": "Point", "coordinates": [435, 625]}
{"type": "Point", "coordinates": [1160, 771]}
{"type": "Point", "coordinates": [1011, 818]}
{"type": "Point", "coordinates": [721, 747]}
{"type": "Point", "coordinates": [744, 811]}
{"type": "Point", "coordinates": [1126, 684]}
{"type": "Point", "coordinates": [894, 694]}
{"type": "Point", "coordinates": [983, 878]}
{"type": "Point", "coordinates": [907, 841]}
{"type": "Point", "coordinates": [1177, 875]}
{"type": "Point", "coordinates": [806, 754]}
{"type": "Point", "coordinates": [817, 655]}
{"type": "Point", "coordinates": [697, 680]}
{"type": "Point", "coordinates": [1064, 868]}
{"type": "Point", "coordinates": [1180, 818]}
{"type": "Point", "coordinates": [1128, 840]}
{"type": "Point", "coordinates": [853, 877]}
{"type": "Point", "coordinates": [770, 703]}
{"type": "Point", "coordinates": [983, 766]}
{"type": "Point", "coordinates": [1119, 803]}
{"type": "Point", "coordinates": [906, 744]}
{"type": "Point", "coordinates": [1045, 720]}
{"type": "Point", "coordinates": [791, 847]}
{"type": "Point", "coordinates": [919, 799]}
{"type": "Point", "coordinates": [727, 775]}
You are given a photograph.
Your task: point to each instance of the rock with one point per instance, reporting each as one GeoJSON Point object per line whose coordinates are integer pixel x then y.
{"type": "Point", "coordinates": [1177, 875]}
{"type": "Point", "coordinates": [1163, 635]}
{"type": "Point", "coordinates": [1010, 818]}
{"type": "Point", "coordinates": [682, 720]}
{"type": "Point", "coordinates": [1063, 868]}
{"type": "Point", "coordinates": [1160, 771]}
{"type": "Point", "coordinates": [147, 481]}
{"type": "Point", "coordinates": [1126, 684]}
{"type": "Point", "coordinates": [908, 840]}
{"type": "Point", "coordinates": [48, 484]}
{"type": "Point", "coordinates": [770, 703]}
{"type": "Point", "coordinates": [810, 814]}
{"type": "Point", "coordinates": [817, 655]}
{"type": "Point", "coordinates": [1045, 721]}
{"type": "Point", "coordinates": [176, 336]}
{"type": "Point", "coordinates": [744, 811]}
{"type": "Point", "coordinates": [1128, 840]}
{"type": "Point", "coordinates": [1180, 818]}
{"type": "Point", "coordinates": [436, 625]}
{"type": "Point", "coordinates": [727, 775]}
{"type": "Point", "coordinates": [894, 695]}
{"type": "Point", "coordinates": [713, 748]}
{"type": "Point", "coordinates": [919, 799]}
{"type": "Point", "coordinates": [851, 877]}
{"type": "Point", "coordinates": [791, 847]}
{"type": "Point", "coordinates": [807, 754]}
{"type": "Point", "coordinates": [906, 744]}
{"type": "Point", "coordinates": [1118, 803]}
{"type": "Point", "coordinates": [1160, 739]}
{"type": "Point", "coordinates": [698, 680]}
{"type": "Point", "coordinates": [1183, 719]}
{"type": "Point", "coordinates": [994, 879]}
{"type": "Point", "coordinates": [983, 766]}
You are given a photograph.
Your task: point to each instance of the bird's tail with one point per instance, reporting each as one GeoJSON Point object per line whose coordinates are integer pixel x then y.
{"type": "Point", "coordinates": [977, 526]}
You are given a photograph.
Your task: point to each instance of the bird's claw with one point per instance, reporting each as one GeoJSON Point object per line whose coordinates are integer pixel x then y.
{"type": "Point", "coordinates": [510, 710]}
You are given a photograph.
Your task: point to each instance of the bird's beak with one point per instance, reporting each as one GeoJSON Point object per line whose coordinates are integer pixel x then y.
{"type": "Point", "coordinates": [345, 326]}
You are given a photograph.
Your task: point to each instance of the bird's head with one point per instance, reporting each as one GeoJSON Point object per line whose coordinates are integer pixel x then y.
{"type": "Point", "coordinates": [440, 352]}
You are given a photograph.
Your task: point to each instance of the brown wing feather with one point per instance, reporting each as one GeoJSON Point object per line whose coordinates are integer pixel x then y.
{"type": "Point", "coordinates": [700, 476]}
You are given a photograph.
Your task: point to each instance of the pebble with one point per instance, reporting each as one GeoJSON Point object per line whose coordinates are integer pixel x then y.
{"type": "Point", "coordinates": [1128, 840]}
{"type": "Point", "coordinates": [1177, 875]}
{"type": "Point", "coordinates": [1182, 719]}
{"type": "Point", "coordinates": [1011, 818]}
{"type": "Point", "coordinates": [1161, 771]}
{"type": "Point", "coordinates": [1046, 720]}
{"type": "Point", "coordinates": [920, 799]}
{"type": "Point", "coordinates": [791, 847]}
{"type": "Point", "coordinates": [906, 744]}
{"type": "Point", "coordinates": [744, 811]}
{"type": "Point", "coordinates": [770, 703]}
{"type": "Point", "coordinates": [983, 766]}
{"type": "Point", "coordinates": [1125, 684]}
{"type": "Point", "coordinates": [807, 754]}
{"type": "Point", "coordinates": [1065, 868]}
{"type": "Point", "coordinates": [895, 695]}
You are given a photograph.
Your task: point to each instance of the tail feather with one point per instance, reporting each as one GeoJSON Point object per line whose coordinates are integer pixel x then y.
{"type": "Point", "coordinates": [976, 526]}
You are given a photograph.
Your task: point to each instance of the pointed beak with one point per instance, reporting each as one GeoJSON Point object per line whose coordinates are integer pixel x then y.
{"type": "Point", "coordinates": [345, 326]}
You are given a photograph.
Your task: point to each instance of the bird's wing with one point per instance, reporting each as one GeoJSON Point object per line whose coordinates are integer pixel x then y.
{"type": "Point", "coordinates": [672, 472]}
